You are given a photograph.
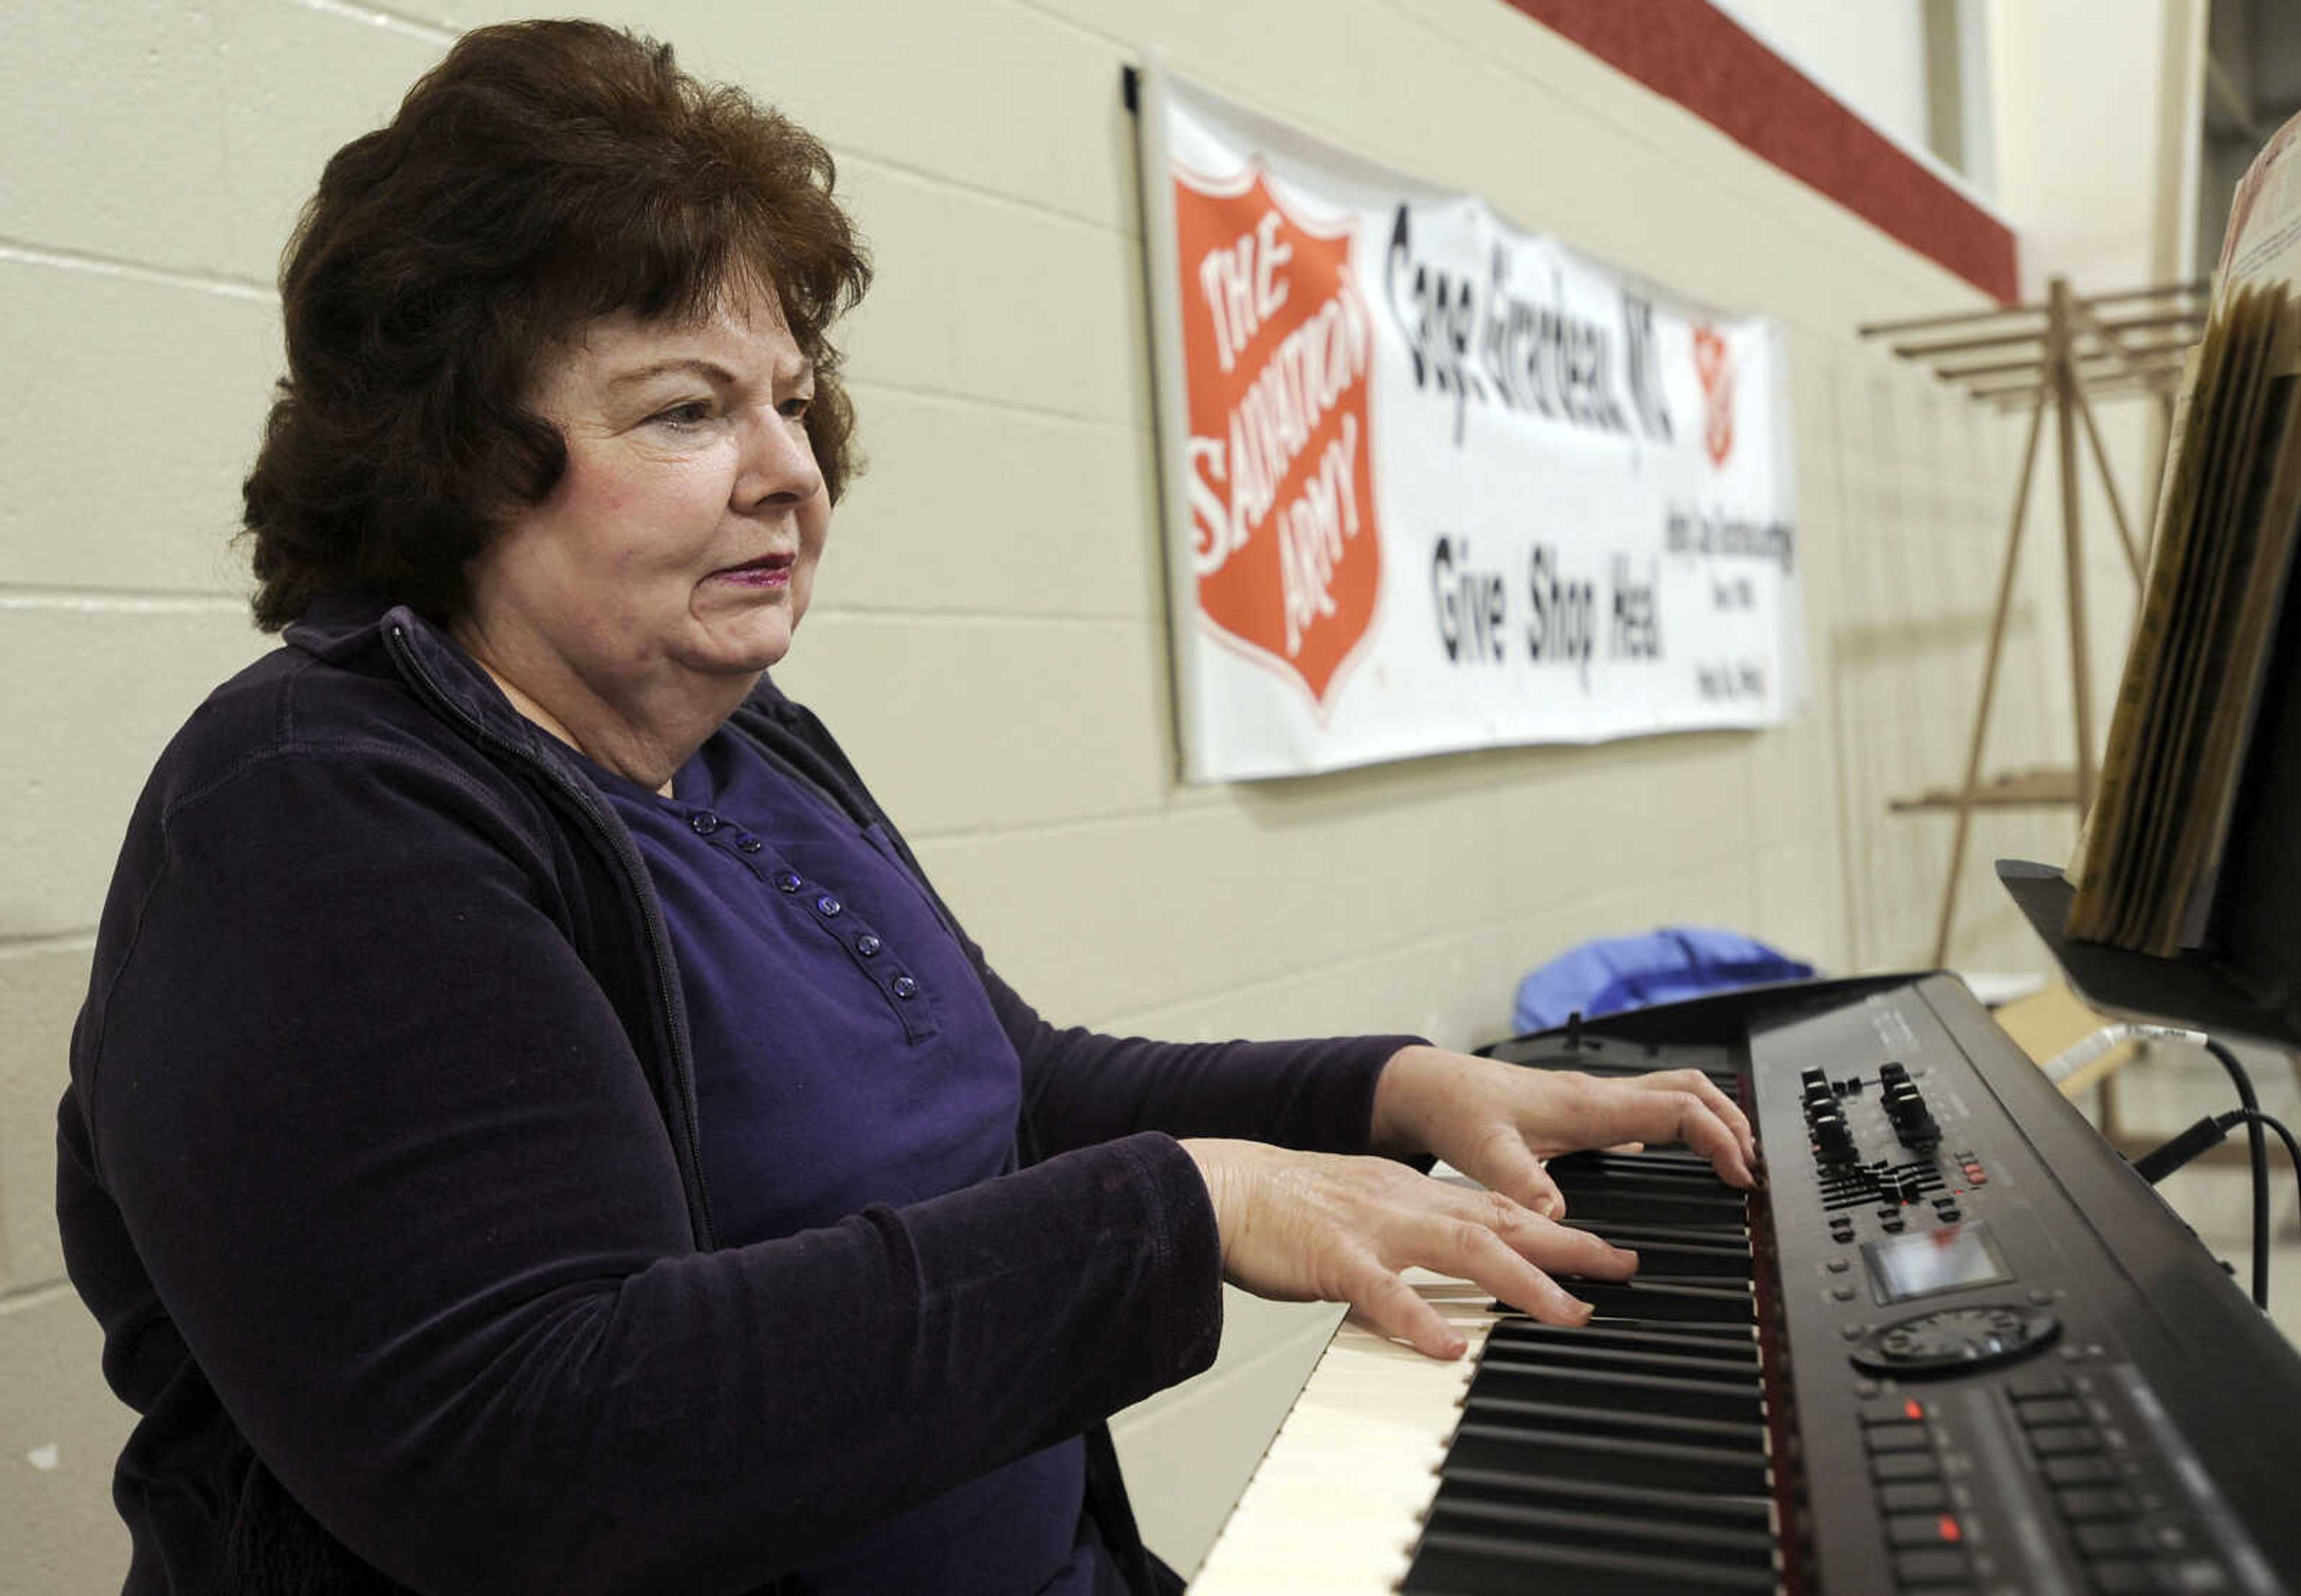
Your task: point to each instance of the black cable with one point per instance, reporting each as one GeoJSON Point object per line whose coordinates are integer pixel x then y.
{"type": "Point", "coordinates": [2176, 1152]}
{"type": "Point", "coordinates": [2257, 1147]}
{"type": "Point", "coordinates": [2160, 1161]}
{"type": "Point", "coordinates": [2292, 1147]}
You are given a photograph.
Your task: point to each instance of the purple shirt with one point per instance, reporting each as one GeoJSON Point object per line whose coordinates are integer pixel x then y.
{"type": "Point", "coordinates": [846, 1054]}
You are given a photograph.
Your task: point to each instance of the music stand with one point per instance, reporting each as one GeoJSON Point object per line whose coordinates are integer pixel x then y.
{"type": "Point", "coordinates": [2246, 979]}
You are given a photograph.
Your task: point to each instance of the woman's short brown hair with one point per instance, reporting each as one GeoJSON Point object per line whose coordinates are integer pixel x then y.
{"type": "Point", "coordinates": [542, 175]}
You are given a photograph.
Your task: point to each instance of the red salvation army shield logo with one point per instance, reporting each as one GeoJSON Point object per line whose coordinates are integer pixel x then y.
{"type": "Point", "coordinates": [1713, 363]}
{"type": "Point", "coordinates": [1277, 344]}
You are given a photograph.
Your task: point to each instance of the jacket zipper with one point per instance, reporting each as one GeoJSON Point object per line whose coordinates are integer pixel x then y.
{"type": "Point", "coordinates": [673, 1009]}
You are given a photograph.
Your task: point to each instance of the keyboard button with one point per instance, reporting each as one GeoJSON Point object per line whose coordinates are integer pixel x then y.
{"type": "Point", "coordinates": [1904, 1465]}
{"type": "Point", "coordinates": [1912, 1496]}
{"type": "Point", "coordinates": [1921, 1529]}
{"type": "Point", "coordinates": [1891, 1410]}
{"type": "Point", "coordinates": [1896, 1437]}
{"type": "Point", "coordinates": [2102, 1540]}
{"type": "Point", "coordinates": [2085, 1504]}
{"type": "Point", "coordinates": [2049, 1410]}
{"type": "Point", "coordinates": [1931, 1566]}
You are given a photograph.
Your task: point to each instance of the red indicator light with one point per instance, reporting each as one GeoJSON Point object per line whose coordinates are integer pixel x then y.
{"type": "Point", "coordinates": [1949, 1529]}
{"type": "Point", "coordinates": [1914, 1409]}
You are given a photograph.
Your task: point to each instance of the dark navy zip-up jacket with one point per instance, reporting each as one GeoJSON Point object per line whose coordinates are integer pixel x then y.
{"type": "Point", "coordinates": [379, 1169]}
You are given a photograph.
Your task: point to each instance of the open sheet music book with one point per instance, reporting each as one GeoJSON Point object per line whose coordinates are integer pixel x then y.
{"type": "Point", "coordinates": [2148, 861]}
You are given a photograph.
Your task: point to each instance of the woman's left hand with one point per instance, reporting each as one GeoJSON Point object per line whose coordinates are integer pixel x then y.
{"type": "Point", "coordinates": [1497, 1122]}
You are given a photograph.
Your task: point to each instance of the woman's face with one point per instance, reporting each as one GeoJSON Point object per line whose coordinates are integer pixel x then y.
{"type": "Point", "coordinates": [680, 543]}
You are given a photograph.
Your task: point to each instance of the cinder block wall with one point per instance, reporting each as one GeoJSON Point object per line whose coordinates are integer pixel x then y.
{"type": "Point", "coordinates": [989, 635]}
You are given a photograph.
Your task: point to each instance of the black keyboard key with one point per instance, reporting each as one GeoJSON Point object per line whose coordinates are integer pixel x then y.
{"type": "Point", "coordinates": [1556, 1492]}
{"type": "Point", "coordinates": [1594, 1350]}
{"type": "Point", "coordinates": [1612, 1460]}
{"type": "Point", "coordinates": [1551, 1525]}
{"type": "Point", "coordinates": [1587, 1421]}
{"type": "Point", "coordinates": [1628, 1390]}
{"type": "Point", "coordinates": [1630, 1300]}
{"type": "Point", "coordinates": [1466, 1565]}
{"type": "Point", "coordinates": [1674, 1252]}
{"type": "Point", "coordinates": [1724, 1211]}
{"type": "Point", "coordinates": [1726, 1345]}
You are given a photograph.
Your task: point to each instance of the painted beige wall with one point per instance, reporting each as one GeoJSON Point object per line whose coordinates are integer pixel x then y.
{"type": "Point", "coordinates": [989, 637]}
{"type": "Point", "coordinates": [2099, 115]}
{"type": "Point", "coordinates": [1871, 56]}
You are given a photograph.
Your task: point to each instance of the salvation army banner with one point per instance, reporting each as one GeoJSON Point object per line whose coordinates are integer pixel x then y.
{"type": "Point", "coordinates": [1432, 482]}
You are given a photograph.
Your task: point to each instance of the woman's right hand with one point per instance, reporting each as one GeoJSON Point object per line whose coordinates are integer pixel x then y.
{"type": "Point", "coordinates": [1303, 1227]}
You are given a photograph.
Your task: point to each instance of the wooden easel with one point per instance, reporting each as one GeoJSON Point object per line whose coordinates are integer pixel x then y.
{"type": "Point", "coordinates": [2050, 355]}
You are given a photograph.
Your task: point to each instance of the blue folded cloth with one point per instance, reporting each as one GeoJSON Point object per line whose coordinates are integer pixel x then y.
{"type": "Point", "coordinates": [1613, 974]}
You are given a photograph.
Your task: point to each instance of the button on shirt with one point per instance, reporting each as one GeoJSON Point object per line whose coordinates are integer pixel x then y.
{"type": "Point", "coordinates": [845, 1055]}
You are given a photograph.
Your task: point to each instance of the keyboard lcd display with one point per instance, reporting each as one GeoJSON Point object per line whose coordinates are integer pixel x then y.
{"type": "Point", "coordinates": [1948, 1259]}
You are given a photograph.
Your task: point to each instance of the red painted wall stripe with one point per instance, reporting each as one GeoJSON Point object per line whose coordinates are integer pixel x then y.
{"type": "Point", "coordinates": [1691, 52]}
